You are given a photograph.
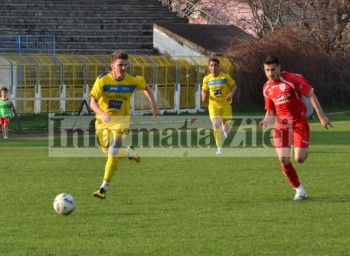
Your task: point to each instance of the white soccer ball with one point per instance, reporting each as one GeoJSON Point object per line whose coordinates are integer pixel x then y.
{"type": "Point", "coordinates": [64, 204]}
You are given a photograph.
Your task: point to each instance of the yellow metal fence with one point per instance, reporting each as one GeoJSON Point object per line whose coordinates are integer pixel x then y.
{"type": "Point", "coordinates": [59, 83]}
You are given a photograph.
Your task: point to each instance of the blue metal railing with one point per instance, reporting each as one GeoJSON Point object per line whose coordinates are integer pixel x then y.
{"type": "Point", "coordinates": [28, 44]}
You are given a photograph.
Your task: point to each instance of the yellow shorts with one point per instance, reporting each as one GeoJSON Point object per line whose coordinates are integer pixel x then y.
{"type": "Point", "coordinates": [224, 112]}
{"type": "Point", "coordinates": [116, 128]}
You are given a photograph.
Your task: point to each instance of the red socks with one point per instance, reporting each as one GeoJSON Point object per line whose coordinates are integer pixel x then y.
{"type": "Point", "coordinates": [291, 175]}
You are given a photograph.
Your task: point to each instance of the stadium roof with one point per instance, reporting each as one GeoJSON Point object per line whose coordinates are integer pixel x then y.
{"type": "Point", "coordinates": [205, 39]}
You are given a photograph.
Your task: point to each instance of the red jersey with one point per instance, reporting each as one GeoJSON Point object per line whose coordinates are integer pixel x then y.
{"type": "Point", "coordinates": [284, 96]}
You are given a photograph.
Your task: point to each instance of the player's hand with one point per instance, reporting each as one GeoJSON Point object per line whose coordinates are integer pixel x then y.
{"type": "Point", "coordinates": [155, 112]}
{"type": "Point", "coordinates": [326, 122]}
{"type": "Point", "coordinates": [329, 125]}
{"type": "Point", "coordinates": [262, 124]}
{"type": "Point", "coordinates": [105, 117]}
{"type": "Point", "coordinates": [228, 97]}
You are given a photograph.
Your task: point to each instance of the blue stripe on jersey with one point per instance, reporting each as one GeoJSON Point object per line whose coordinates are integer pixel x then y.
{"type": "Point", "coordinates": [216, 82]}
{"type": "Point", "coordinates": [119, 88]}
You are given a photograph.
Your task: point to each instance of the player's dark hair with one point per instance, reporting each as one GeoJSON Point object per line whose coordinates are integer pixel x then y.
{"type": "Point", "coordinates": [120, 54]}
{"type": "Point", "coordinates": [3, 89]}
{"type": "Point", "coordinates": [271, 60]}
{"type": "Point", "coordinates": [215, 60]}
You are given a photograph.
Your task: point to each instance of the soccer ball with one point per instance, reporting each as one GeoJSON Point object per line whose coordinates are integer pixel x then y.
{"type": "Point", "coordinates": [64, 204]}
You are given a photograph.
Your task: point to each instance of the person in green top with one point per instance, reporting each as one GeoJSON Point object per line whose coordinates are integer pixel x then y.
{"type": "Point", "coordinates": [6, 112]}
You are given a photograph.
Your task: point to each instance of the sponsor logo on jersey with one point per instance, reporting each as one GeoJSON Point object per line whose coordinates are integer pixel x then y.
{"type": "Point", "coordinates": [119, 88]}
{"type": "Point", "coordinates": [281, 99]}
{"type": "Point", "coordinates": [217, 82]}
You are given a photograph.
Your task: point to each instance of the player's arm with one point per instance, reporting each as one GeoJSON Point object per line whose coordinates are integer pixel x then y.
{"type": "Point", "coordinates": [269, 117]}
{"type": "Point", "coordinates": [12, 107]}
{"type": "Point", "coordinates": [233, 86]}
{"type": "Point", "coordinates": [270, 111]}
{"type": "Point", "coordinates": [204, 90]}
{"type": "Point", "coordinates": [204, 95]}
{"type": "Point", "coordinates": [96, 108]}
{"type": "Point", "coordinates": [232, 93]}
{"type": "Point", "coordinates": [14, 110]}
{"type": "Point", "coordinates": [317, 106]}
{"type": "Point", "coordinates": [150, 96]}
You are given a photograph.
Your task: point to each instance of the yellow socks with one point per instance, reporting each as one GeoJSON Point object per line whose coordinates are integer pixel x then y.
{"type": "Point", "coordinates": [217, 137]}
{"type": "Point", "coordinates": [110, 168]}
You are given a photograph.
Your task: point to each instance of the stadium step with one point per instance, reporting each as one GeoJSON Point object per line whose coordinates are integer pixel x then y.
{"type": "Point", "coordinates": [87, 25]}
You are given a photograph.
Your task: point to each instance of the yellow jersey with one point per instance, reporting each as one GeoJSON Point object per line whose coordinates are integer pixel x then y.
{"type": "Point", "coordinates": [113, 96]}
{"type": "Point", "coordinates": [219, 87]}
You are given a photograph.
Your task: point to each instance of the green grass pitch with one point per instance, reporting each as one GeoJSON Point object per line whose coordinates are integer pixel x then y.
{"type": "Point", "coordinates": [177, 206]}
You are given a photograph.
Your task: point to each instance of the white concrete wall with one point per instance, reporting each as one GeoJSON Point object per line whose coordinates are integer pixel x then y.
{"type": "Point", "coordinates": [167, 45]}
{"type": "Point", "coordinates": [5, 73]}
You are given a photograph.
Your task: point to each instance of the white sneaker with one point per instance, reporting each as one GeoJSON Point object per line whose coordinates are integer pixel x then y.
{"type": "Point", "coordinates": [226, 134]}
{"type": "Point", "coordinates": [5, 137]}
{"type": "Point", "coordinates": [219, 152]}
{"type": "Point", "coordinates": [300, 194]}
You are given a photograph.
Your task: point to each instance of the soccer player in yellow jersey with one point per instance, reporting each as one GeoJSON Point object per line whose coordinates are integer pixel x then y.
{"type": "Point", "coordinates": [110, 100]}
{"type": "Point", "coordinates": [221, 89]}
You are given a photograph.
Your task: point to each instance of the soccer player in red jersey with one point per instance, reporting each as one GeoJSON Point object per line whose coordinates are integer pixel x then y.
{"type": "Point", "coordinates": [283, 99]}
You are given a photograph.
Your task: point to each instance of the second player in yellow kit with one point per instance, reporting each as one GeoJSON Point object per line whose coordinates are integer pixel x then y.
{"type": "Point", "coordinates": [220, 88]}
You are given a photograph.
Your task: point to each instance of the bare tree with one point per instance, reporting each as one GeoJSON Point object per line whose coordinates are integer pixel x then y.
{"type": "Point", "coordinates": [326, 22]}
{"type": "Point", "coordinates": [184, 8]}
